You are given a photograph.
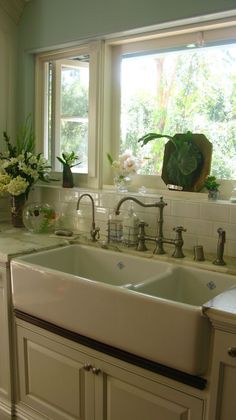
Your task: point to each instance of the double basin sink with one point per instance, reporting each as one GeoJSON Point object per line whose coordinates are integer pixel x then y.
{"type": "Point", "coordinates": [146, 307]}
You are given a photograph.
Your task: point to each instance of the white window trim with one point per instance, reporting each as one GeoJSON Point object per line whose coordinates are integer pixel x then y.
{"type": "Point", "coordinates": [94, 49]}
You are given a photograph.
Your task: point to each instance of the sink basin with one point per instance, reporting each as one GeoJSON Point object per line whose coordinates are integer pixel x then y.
{"type": "Point", "coordinates": [186, 285]}
{"type": "Point", "coordinates": [95, 264]}
{"type": "Point", "coordinates": [149, 308]}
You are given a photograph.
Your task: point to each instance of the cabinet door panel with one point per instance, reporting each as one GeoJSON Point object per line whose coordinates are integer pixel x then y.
{"type": "Point", "coordinates": [127, 396]}
{"type": "Point", "coordinates": [227, 393]}
{"type": "Point", "coordinates": [52, 378]}
{"type": "Point", "coordinates": [126, 402]}
{"type": "Point", "coordinates": [223, 379]}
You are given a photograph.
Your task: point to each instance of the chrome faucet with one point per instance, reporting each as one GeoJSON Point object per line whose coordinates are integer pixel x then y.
{"type": "Point", "coordinates": [220, 247]}
{"type": "Point", "coordinates": [94, 232]}
{"type": "Point", "coordinates": [159, 239]}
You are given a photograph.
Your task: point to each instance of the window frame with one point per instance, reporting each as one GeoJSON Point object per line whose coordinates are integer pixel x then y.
{"type": "Point", "coordinates": [57, 71]}
{"type": "Point", "coordinates": [94, 50]}
{"type": "Point", "coordinates": [212, 32]}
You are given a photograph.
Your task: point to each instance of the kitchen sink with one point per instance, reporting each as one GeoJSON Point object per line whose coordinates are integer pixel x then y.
{"type": "Point", "coordinates": [149, 308]}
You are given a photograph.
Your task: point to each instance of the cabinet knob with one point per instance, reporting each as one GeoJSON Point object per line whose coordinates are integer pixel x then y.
{"type": "Point", "coordinates": [87, 367]}
{"type": "Point", "coordinates": [96, 371]}
{"type": "Point", "coordinates": [232, 351]}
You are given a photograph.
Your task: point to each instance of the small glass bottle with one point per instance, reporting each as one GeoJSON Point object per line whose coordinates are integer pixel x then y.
{"type": "Point", "coordinates": [130, 227]}
{"type": "Point", "coordinates": [115, 227]}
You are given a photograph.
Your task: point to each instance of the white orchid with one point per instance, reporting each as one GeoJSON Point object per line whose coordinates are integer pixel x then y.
{"type": "Point", "coordinates": [126, 164]}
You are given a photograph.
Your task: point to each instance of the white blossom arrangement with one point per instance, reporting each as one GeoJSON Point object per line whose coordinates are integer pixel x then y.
{"type": "Point", "coordinates": [20, 168]}
{"type": "Point", "coordinates": [126, 164]}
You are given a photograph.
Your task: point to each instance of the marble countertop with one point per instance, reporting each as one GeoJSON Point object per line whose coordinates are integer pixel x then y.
{"type": "Point", "coordinates": [14, 241]}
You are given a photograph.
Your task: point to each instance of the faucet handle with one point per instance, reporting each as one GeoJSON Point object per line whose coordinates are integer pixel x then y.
{"type": "Point", "coordinates": [179, 229]}
{"type": "Point", "coordinates": [178, 241]}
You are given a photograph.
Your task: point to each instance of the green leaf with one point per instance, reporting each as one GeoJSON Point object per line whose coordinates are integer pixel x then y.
{"type": "Point", "coordinates": [152, 136]}
{"type": "Point", "coordinates": [61, 160]}
{"type": "Point", "coordinates": [109, 158]}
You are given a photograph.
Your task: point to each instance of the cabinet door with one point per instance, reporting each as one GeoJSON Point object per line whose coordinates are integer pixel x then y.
{"type": "Point", "coordinates": [52, 378]}
{"type": "Point", "coordinates": [128, 396]}
{"type": "Point", "coordinates": [223, 381]}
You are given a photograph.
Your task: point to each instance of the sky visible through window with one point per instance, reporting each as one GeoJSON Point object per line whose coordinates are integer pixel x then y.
{"type": "Point", "coordinates": [179, 91]}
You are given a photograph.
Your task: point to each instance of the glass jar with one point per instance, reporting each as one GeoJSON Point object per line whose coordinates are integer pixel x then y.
{"type": "Point", "coordinates": [39, 217]}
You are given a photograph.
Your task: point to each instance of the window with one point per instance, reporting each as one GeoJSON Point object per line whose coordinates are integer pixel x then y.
{"type": "Point", "coordinates": [68, 107]}
{"type": "Point", "coordinates": [102, 96]}
{"type": "Point", "coordinates": [177, 83]}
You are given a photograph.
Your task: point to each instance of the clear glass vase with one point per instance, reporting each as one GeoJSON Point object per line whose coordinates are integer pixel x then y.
{"type": "Point", "coordinates": [122, 183]}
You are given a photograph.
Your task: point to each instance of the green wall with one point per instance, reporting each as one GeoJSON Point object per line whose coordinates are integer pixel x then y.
{"type": "Point", "coordinates": [47, 23]}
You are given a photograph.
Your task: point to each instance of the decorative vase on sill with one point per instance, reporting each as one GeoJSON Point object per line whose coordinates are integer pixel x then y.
{"type": "Point", "coordinates": [68, 161]}
{"type": "Point", "coordinates": [17, 206]}
{"type": "Point", "coordinates": [124, 167]}
{"type": "Point", "coordinates": [67, 177]}
{"type": "Point", "coordinates": [122, 183]}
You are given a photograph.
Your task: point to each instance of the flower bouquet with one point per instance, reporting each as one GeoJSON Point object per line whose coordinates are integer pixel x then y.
{"type": "Point", "coordinates": [124, 167]}
{"type": "Point", "coordinates": [20, 169]}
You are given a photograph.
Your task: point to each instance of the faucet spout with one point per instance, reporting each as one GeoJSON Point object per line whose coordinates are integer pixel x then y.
{"type": "Point", "coordinates": [159, 204]}
{"type": "Point", "coordinates": [94, 232]}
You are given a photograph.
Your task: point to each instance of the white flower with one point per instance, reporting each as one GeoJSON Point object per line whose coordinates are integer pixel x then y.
{"type": "Point", "coordinates": [126, 164]}
{"type": "Point", "coordinates": [5, 179]}
{"type": "Point", "coordinates": [17, 186]}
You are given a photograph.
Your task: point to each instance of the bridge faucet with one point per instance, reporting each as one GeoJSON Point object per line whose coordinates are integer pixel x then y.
{"type": "Point", "coordinates": [159, 239]}
{"type": "Point", "coordinates": [94, 232]}
{"type": "Point", "coordinates": [220, 247]}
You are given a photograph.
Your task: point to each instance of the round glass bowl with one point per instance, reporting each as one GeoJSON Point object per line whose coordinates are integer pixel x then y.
{"type": "Point", "coordinates": [39, 217]}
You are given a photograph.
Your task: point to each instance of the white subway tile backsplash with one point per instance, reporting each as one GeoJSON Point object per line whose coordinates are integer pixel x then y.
{"type": "Point", "coordinates": [198, 226]}
{"type": "Point", "coordinates": [232, 217]}
{"type": "Point", "coordinates": [200, 218]}
{"type": "Point", "coordinates": [215, 212]}
{"type": "Point", "coordinates": [231, 248]}
{"type": "Point", "coordinates": [185, 209]}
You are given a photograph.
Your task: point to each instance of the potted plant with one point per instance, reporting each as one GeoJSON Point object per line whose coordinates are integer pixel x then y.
{"type": "Point", "coordinates": [68, 161]}
{"type": "Point", "coordinates": [187, 158]}
{"type": "Point", "coordinates": [212, 186]}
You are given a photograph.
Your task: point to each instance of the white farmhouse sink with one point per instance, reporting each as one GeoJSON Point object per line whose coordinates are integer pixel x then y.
{"type": "Point", "coordinates": [146, 307]}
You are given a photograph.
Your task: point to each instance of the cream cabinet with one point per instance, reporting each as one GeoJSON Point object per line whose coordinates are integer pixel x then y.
{"type": "Point", "coordinates": [5, 362]}
{"type": "Point", "coordinates": [63, 380]}
{"type": "Point", "coordinates": [223, 377]}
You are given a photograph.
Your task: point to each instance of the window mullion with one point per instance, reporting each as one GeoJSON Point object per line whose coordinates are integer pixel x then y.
{"type": "Point", "coordinates": [56, 114]}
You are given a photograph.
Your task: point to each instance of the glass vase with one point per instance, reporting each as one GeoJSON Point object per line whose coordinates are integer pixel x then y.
{"type": "Point", "coordinates": [122, 182]}
{"type": "Point", "coordinates": [17, 206]}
